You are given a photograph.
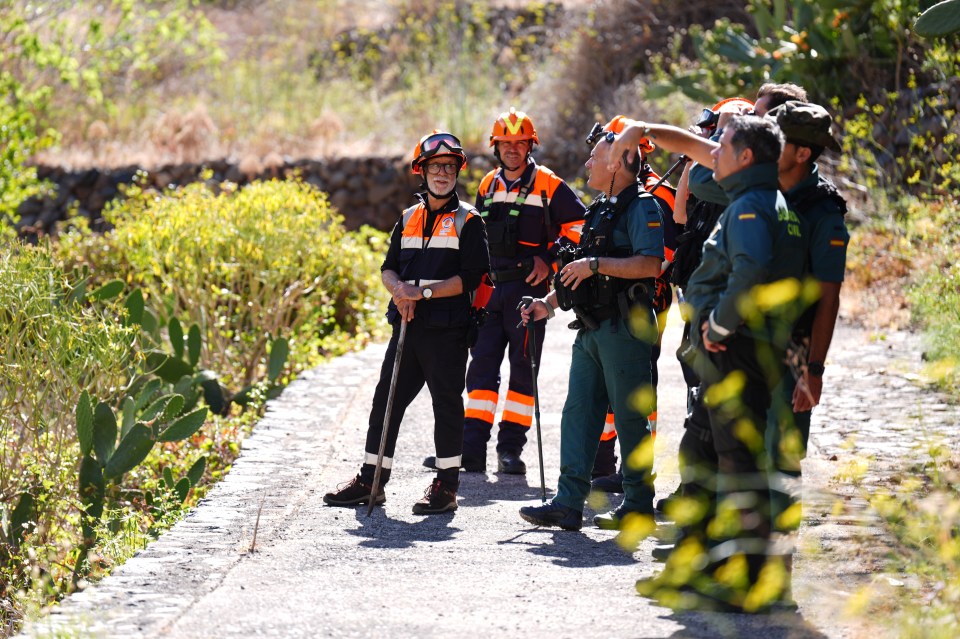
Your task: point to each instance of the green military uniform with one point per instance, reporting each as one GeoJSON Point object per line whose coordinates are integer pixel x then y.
{"type": "Point", "coordinates": [612, 361]}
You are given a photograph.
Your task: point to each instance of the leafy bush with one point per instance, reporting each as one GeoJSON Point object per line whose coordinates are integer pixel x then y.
{"type": "Point", "coordinates": [246, 266]}
{"type": "Point", "coordinates": [53, 347]}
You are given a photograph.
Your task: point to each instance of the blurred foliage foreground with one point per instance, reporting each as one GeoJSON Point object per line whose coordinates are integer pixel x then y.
{"type": "Point", "coordinates": [134, 361]}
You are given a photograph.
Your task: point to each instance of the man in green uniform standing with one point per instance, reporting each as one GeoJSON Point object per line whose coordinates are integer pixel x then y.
{"type": "Point", "coordinates": [821, 208]}
{"type": "Point", "coordinates": [608, 282]}
{"type": "Point", "coordinates": [744, 301]}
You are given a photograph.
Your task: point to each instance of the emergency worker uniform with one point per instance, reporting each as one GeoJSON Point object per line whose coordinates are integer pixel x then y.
{"type": "Point", "coordinates": [610, 361]}
{"type": "Point", "coordinates": [425, 248]}
{"type": "Point", "coordinates": [605, 466]}
{"type": "Point", "coordinates": [758, 242]}
{"type": "Point", "coordinates": [532, 216]}
{"type": "Point", "coordinates": [822, 209]}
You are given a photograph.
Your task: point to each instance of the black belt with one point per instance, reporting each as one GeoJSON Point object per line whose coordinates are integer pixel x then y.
{"type": "Point", "coordinates": [518, 272]}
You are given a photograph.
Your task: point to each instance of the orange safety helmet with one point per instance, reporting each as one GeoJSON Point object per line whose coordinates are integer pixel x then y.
{"type": "Point", "coordinates": [616, 125]}
{"type": "Point", "coordinates": [708, 118]}
{"type": "Point", "coordinates": [435, 144]}
{"type": "Point", "coordinates": [513, 126]}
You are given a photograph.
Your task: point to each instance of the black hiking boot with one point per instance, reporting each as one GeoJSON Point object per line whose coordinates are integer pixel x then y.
{"type": "Point", "coordinates": [511, 464]}
{"type": "Point", "coordinates": [551, 514]}
{"type": "Point", "coordinates": [616, 519]}
{"type": "Point", "coordinates": [353, 493]}
{"type": "Point", "coordinates": [609, 484]}
{"type": "Point", "coordinates": [438, 499]}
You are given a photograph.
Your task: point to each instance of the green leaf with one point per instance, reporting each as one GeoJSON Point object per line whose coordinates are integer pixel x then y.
{"type": "Point", "coordinates": [172, 409]}
{"type": "Point", "coordinates": [182, 489]}
{"type": "Point", "coordinates": [146, 394]}
{"type": "Point", "coordinates": [168, 476]}
{"type": "Point", "coordinates": [149, 323]}
{"type": "Point", "coordinates": [92, 488]}
{"type": "Point", "coordinates": [195, 474]}
{"type": "Point", "coordinates": [79, 292]}
{"type": "Point", "coordinates": [132, 450]}
{"type": "Point", "coordinates": [104, 432]}
{"type": "Point", "coordinates": [194, 342]}
{"type": "Point", "coordinates": [169, 369]}
{"type": "Point", "coordinates": [185, 426]}
{"type": "Point", "coordinates": [129, 416]}
{"type": "Point", "coordinates": [175, 332]}
{"type": "Point", "coordinates": [134, 306]}
{"type": "Point", "coordinates": [22, 515]}
{"type": "Point", "coordinates": [108, 291]}
{"type": "Point", "coordinates": [157, 408]}
{"type": "Point", "coordinates": [279, 351]}
{"type": "Point", "coordinates": [85, 423]}
{"type": "Point", "coordinates": [941, 19]}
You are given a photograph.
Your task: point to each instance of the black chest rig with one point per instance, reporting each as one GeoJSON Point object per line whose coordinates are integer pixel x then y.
{"type": "Point", "coordinates": [502, 218]}
{"type": "Point", "coordinates": [601, 296]}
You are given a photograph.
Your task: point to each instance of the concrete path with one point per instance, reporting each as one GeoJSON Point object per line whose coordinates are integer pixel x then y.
{"type": "Point", "coordinates": [316, 571]}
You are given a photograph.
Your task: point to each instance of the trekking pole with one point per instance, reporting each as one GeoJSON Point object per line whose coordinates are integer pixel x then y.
{"type": "Point", "coordinates": [532, 341]}
{"type": "Point", "coordinates": [386, 416]}
{"type": "Point", "coordinates": [673, 168]}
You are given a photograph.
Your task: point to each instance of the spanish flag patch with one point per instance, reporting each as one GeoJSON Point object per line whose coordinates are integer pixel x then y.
{"type": "Point", "coordinates": [837, 243]}
{"type": "Point", "coordinates": [747, 216]}
{"type": "Point", "coordinates": [653, 225]}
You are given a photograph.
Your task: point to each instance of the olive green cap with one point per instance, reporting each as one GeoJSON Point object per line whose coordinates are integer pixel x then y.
{"type": "Point", "coordinates": [804, 124]}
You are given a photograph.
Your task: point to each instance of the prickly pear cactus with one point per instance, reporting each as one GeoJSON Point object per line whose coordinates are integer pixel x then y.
{"type": "Point", "coordinates": [939, 20]}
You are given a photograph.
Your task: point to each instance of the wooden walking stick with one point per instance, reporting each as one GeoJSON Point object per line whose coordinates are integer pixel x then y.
{"type": "Point", "coordinates": [386, 416]}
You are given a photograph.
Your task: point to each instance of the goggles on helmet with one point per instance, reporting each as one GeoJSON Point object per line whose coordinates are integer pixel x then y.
{"type": "Point", "coordinates": [432, 145]}
{"type": "Point", "coordinates": [708, 119]}
{"type": "Point", "coordinates": [438, 143]}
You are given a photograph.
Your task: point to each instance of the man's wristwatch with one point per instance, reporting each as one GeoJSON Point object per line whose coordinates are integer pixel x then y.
{"type": "Point", "coordinates": [594, 265]}
{"type": "Point", "coordinates": [815, 369]}
{"type": "Point", "coordinates": [427, 292]}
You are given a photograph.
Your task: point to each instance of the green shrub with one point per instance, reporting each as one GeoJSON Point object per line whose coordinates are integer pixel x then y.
{"type": "Point", "coordinates": [53, 348]}
{"type": "Point", "coordinates": [246, 266]}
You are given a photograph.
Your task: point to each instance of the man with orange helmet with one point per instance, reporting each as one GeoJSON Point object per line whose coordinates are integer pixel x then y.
{"type": "Point", "coordinates": [608, 281]}
{"type": "Point", "coordinates": [437, 257]}
{"type": "Point", "coordinates": [606, 476]}
{"type": "Point", "coordinates": [529, 213]}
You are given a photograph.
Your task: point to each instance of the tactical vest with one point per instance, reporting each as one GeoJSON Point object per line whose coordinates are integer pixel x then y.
{"type": "Point", "coordinates": [428, 256]}
{"type": "Point", "coordinates": [502, 217]}
{"type": "Point", "coordinates": [602, 291]}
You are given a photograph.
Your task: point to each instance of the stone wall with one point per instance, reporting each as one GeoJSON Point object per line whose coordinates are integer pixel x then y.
{"type": "Point", "coordinates": [365, 190]}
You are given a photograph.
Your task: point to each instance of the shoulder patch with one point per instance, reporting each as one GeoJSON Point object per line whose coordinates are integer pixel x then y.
{"type": "Point", "coordinates": [837, 243]}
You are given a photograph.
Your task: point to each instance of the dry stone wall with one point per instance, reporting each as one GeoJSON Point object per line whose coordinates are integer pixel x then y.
{"type": "Point", "coordinates": [365, 190]}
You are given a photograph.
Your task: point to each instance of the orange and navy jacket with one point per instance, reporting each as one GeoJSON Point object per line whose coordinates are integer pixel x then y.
{"type": "Point", "coordinates": [426, 249]}
{"type": "Point", "coordinates": [543, 192]}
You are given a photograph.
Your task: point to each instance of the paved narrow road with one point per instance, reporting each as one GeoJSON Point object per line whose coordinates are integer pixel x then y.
{"type": "Point", "coordinates": [478, 572]}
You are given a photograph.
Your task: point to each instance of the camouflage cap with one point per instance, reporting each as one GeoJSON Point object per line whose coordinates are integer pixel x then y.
{"type": "Point", "coordinates": [804, 124]}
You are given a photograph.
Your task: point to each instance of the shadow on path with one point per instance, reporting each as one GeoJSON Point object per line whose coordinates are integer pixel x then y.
{"type": "Point", "coordinates": [570, 549]}
{"type": "Point", "coordinates": [382, 532]}
{"type": "Point", "coordinates": [784, 625]}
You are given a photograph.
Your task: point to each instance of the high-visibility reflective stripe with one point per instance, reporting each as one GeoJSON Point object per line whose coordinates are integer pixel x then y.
{"type": "Point", "coordinates": [448, 462]}
{"type": "Point", "coordinates": [511, 198]}
{"type": "Point", "coordinates": [437, 241]}
{"type": "Point", "coordinates": [742, 546]}
{"type": "Point", "coordinates": [520, 398]}
{"type": "Point", "coordinates": [528, 243]}
{"type": "Point", "coordinates": [723, 332]}
{"type": "Point", "coordinates": [518, 409]}
{"type": "Point", "coordinates": [371, 458]}
{"type": "Point", "coordinates": [523, 420]}
{"type": "Point", "coordinates": [486, 395]}
{"type": "Point", "coordinates": [482, 415]}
